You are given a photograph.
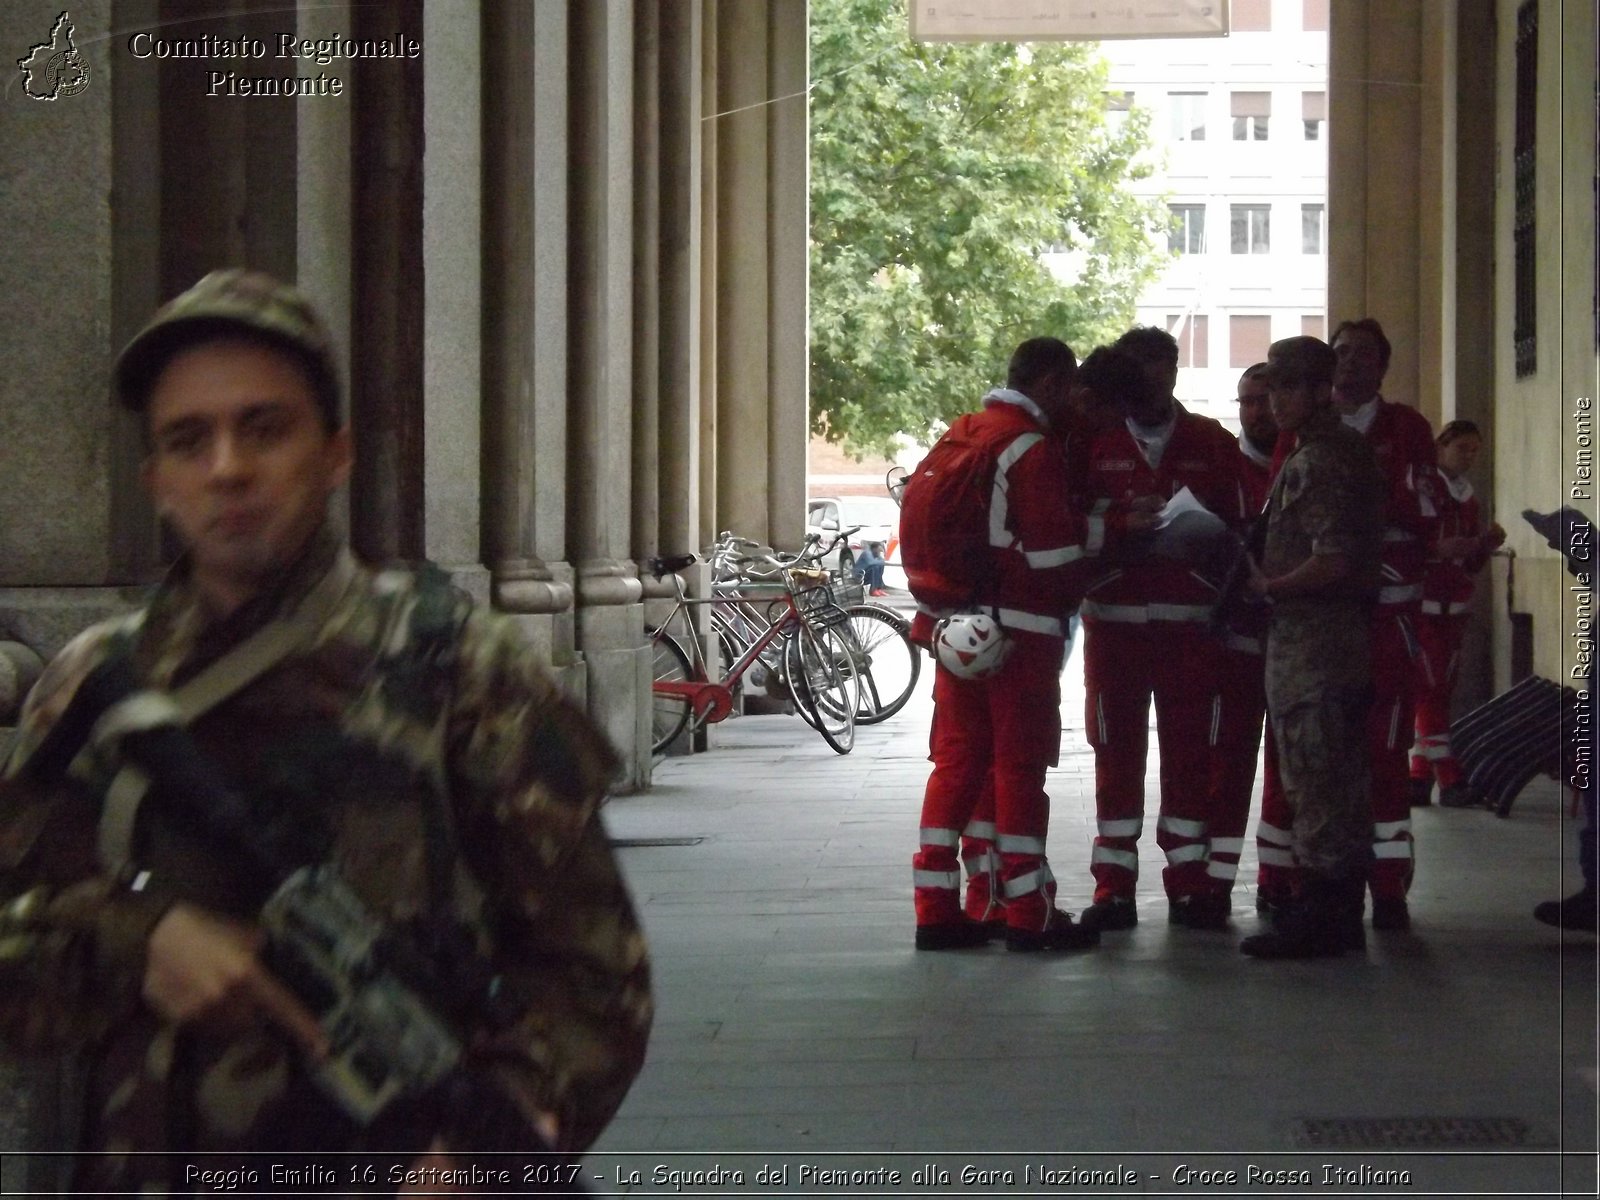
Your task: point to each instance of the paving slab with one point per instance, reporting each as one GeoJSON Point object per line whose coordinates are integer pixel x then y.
{"type": "Point", "coordinates": [798, 1025]}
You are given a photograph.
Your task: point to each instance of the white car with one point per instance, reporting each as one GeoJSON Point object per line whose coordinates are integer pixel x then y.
{"type": "Point", "coordinates": [878, 517]}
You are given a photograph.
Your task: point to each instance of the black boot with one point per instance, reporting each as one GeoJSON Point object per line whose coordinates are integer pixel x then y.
{"type": "Point", "coordinates": [1578, 911]}
{"type": "Point", "coordinates": [1324, 920]}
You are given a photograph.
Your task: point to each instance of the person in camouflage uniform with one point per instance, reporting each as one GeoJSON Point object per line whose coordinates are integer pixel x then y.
{"type": "Point", "coordinates": [1319, 569]}
{"type": "Point", "coordinates": [403, 736]}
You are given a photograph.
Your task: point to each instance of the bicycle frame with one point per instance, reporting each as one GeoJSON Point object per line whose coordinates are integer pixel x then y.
{"type": "Point", "coordinates": [711, 700]}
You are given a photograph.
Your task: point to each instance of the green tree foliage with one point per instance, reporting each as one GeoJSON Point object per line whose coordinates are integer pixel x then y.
{"type": "Point", "coordinates": [939, 173]}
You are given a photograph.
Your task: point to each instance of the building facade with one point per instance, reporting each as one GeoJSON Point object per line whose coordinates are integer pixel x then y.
{"type": "Point", "coordinates": [1240, 131]}
{"type": "Point", "coordinates": [563, 245]}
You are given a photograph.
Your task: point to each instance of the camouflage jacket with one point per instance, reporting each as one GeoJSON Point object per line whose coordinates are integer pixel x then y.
{"type": "Point", "coordinates": [1327, 499]}
{"type": "Point", "coordinates": [339, 743]}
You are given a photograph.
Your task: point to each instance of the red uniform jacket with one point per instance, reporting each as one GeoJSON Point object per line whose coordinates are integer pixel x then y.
{"type": "Point", "coordinates": [1403, 441]}
{"type": "Point", "coordinates": [1247, 622]}
{"type": "Point", "coordinates": [1200, 455]}
{"type": "Point", "coordinates": [1447, 583]}
{"type": "Point", "coordinates": [1043, 547]}
{"type": "Point", "coordinates": [1256, 479]}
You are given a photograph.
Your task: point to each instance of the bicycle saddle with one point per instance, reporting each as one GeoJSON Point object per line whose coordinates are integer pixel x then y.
{"type": "Point", "coordinates": [662, 567]}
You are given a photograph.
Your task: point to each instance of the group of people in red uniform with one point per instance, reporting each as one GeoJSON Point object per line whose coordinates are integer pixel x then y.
{"type": "Point", "coordinates": [1087, 459]}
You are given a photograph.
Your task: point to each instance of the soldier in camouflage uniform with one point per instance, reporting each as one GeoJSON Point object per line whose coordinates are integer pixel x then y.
{"type": "Point", "coordinates": [395, 732]}
{"type": "Point", "coordinates": [1319, 569]}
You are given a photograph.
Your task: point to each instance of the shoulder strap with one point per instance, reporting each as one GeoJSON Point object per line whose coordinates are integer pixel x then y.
{"type": "Point", "coordinates": [231, 673]}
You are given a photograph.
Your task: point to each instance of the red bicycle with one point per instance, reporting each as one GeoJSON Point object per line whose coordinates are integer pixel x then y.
{"type": "Point", "coordinates": [801, 620]}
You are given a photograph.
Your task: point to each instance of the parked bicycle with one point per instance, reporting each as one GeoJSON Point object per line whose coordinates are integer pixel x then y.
{"type": "Point", "coordinates": [888, 664]}
{"type": "Point", "coordinates": [817, 661]}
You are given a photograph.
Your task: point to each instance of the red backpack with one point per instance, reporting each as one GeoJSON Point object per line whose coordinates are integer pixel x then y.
{"type": "Point", "coordinates": [944, 518]}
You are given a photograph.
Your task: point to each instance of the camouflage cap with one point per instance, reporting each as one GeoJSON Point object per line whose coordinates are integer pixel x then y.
{"type": "Point", "coordinates": [1292, 361]}
{"type": "Point", "coordinates": [234, 301]}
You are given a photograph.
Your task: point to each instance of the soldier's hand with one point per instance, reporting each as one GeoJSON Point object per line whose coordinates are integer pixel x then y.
{"type": "Point", "coordinates": [1147, 504]}
{"type": "Point", "coordinates": [1258, 580]}
{"type": "Point", "coordinates": [200, 968]}
{"type": "Point", "coordinates": [1494, 536]}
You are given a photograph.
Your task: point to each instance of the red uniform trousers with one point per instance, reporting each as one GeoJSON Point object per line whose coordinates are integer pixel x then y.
{"type": "Point", "coordinates": [1389, 731]}
{"type": "Point", "coordinates": [1125, 664]}
{"type": "Point", "coordinates": [1241, 713]}
{"type": "Point", "coordinates": [1003, 733]}
{"type": "Point", "coordinates": [1439, 638]}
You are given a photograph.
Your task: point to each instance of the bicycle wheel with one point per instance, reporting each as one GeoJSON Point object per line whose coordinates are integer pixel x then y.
{"type": "Point", "coordinates": [669, 714]}
{"type": "Point", "coordinates": [824, 683]}
{"type": "Point", "coordinates": [890, 665]}
{"type": "Point", "coordinates": [835, 618]}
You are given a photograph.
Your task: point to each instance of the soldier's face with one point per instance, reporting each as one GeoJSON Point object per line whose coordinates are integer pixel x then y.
{"type": "Point", "coordinates": [240, 463]}
{"type": "Point", "coordinates": [1293, 405]}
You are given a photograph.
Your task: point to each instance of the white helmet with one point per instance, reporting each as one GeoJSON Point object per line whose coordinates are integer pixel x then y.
{"type": "Point", "coordinates": [971, 645]}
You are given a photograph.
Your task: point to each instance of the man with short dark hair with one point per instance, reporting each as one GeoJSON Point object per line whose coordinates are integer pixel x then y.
{"type": "Point", "coordinates": [1402, 440]}
{"type": "Point", "coordinates": [375, 754]}
{"type": "Point", "coordinates": [1001, 731]}
{"type": "Point", "coordinates": [1146, 629]}
{"type": "Point", "coordinates": [1319, 570]}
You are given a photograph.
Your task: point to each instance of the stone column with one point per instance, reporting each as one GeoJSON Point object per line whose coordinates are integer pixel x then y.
{"type": "Point", "coordinates": [57, 305]}
{"type": "Point", "coordinates": [789, 237]}
{"type": "Point", "coordinates": [680, 291]}
{"type": "Point", "coordinates": [610, 615]}
{"type": "Point", "coordinates": [1472, 308]}
{"type": "Point", "coordinates": [227, 162]}
{"type": "Point", "coordinates": [646, 469]}
{"type": "Point", "coordinates": [322, 193]}
{"type": "Point", "coordinates": [1377, 181]}
{"type": "Point", "coordinates": [386, 388]}
{"type": "Point", "coordinates": [743, 267]}
{"type": "Point", "coordinates": [80, 178]}
{"type": "Point", "coordinates": [134, 543]}
{"type": "Point", "coordinates": [526, 57]}
{"type": "Point", "coordinates": [710, 299]}
{"type": "Point", "coordinates": [1436, 217]}
{"type": "Point", "coordinates": [452, 246]}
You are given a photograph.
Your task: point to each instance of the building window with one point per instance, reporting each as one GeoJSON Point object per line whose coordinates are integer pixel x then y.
{"type": "Point", "coordinates": [1119, 101]}
{"type": "Point", "coordinates": [1250, 16]}
{"type": "Point", "coordinates": [1314, 16]}
{"type": "Point", "coordinates": [1193, 335]}
{"type": "Point", "coordinates": [1313, 218]}
{"type": "Point", "coordinates": [1250, 113]}
{"type": "Point", "coordinates": [1524, 329]}
{"type": "Point", "coordinates": [1314, 325]}
{"type": "Point", "coordinates": [1250, 231]}
{"type": "Point", "coordinates": [1248, 339]}
{"type": "Point", "coordinates": [1314, 112]}
{"type": "Point", "coordinates": [1188, 116]}
{"type": "Point", "coordinates": [1187, 233]}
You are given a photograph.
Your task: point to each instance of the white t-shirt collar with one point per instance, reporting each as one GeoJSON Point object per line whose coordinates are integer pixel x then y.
{"type": "Point", "coordinates": [1152, 439]}
{"type": "Point", "coordinates": [1248, 449]}
{"type": "Point", "coordinates": [1361, 420]}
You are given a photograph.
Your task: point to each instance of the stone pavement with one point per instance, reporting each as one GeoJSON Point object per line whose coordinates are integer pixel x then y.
{"type": "Point", "coordinates": [798, 1029]}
